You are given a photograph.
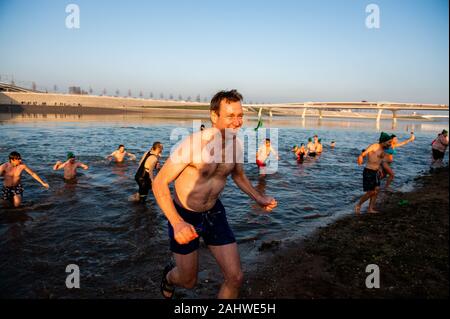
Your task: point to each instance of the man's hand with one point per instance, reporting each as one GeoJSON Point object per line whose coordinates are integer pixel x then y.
{"type": "Point", "coordinates": [267, 203]}
{"type": "Point", "coordinates": [184, 232]}
{"type": "Point", "coordinates": [45, 185]}
{"type": "Point", "coordinates": [360, 160]}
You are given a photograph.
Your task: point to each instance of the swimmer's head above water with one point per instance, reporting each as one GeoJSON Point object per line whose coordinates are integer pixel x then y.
{"type": "Point", "coordinates": [71, 157]}
{"type": "Point", "coordinates": [15, 158]}
{"type": "Point", "coordinates": [226, 111]}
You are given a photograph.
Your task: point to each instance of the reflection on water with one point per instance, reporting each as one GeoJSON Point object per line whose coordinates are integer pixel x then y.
{"type": "Point", "coordinates": [121, 246]}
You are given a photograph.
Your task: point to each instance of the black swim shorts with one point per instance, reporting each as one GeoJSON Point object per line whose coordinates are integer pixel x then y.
{"type": "Point", "coordinates": [211, 225]}
{"type": "Point", "coordinates": [8, 192]}
{"type": "Point", "coordinates": [371, 179]}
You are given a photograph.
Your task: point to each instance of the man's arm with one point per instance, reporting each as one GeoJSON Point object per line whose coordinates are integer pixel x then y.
{"type": "Point", "coordinates": [241, 180]}
{"type": "Point", "coordinates": [132, 156]}
{"type": "Point", "coordinates": [59, 165]}
{"type": "Point", "coordinates": [83, 166]}
{"type": "Point", "coordinates": [412, 138]}
{"type": "Point", "coordinates": [364, 154]}
{"type": "Point", "coordinates": [2, 169]}
{"type": "Point", "coordinates": [35, 176]}
{"type": "Point", "coordinates": [183, 232]}
{"type": "Point", "coordinates": [275, 153]}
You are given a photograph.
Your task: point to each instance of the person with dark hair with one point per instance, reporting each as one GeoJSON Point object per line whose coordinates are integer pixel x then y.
{"type": "Point", "coordinates": [120, 153]}
{"type": "Point", "coordinates": [70, 167]}
{"type": "Point", "coordinates": [144, 176]}
{"type": "Point", "coordinates": [371, 183]}
{"type": "Point", "coordinates": [264, 152]}
{"type": "Point", "coordinates": [199, 176]}
{"type": "Point", "coordinates": [438, 147]}
{"type": "Point", "coordinates": [11, 172]}
{"type": "Point", "coordinates": [202, 127]}
{"type": "Point", "coordinates": [301, 152]}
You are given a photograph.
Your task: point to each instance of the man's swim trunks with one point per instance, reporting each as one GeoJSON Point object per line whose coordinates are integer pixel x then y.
{"type": "Point", "coordinates": [8, 192]}
{"type": "Point", "coordinates": [260, 163]}
{"type": "Point", "coordinates": [212, 225]}
{"type": "Point", "coordinates": [437, 154]}
{"type": "Point", "coordinates": [370, 180]}
{"type": "Point", "coordinates": [312, 154]}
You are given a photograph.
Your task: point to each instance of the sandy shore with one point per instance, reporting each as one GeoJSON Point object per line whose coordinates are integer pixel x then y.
{"type": "Point", "coordinates": [409, 241]}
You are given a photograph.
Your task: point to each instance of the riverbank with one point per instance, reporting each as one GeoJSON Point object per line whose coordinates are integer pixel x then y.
{"type": "Point", "coordinates": [408, 240]}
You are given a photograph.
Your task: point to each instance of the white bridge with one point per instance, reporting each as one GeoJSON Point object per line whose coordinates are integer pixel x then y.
{"type": "Point", "coordinates": [337, 106]}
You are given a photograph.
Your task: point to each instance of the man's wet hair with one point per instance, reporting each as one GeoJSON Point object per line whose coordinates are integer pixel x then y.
{"type": "Point", "coordinates": [121, 145]}
{"type": "Point", "coordinates": [303, 144]}
{"type": "Point", "coordinates": [267, 140]}
{"type": "Point", "coordinates": [156, 145]}
{"type": "Point", "coordinates": [228, 96]}
{"type": "Point", "coordinates": [14, 156]}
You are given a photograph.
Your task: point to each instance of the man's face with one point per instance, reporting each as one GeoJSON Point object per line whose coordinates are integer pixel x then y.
{"type": "Point", "coordinates": [121, 149]}
{"type": "Point", "coordinates": [267, 143]}
{"type": "Point", "coordinates": [386, 144]}
{"type": "Point", "coordinates": [230, 116]}
{"type": "Point", "coordinates": [72, 160]}
{"type": "Point", "coordinates": [16, 162]}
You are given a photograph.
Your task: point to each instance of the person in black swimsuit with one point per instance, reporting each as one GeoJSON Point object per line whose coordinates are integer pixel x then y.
{"type": "Point", "coordinates": [144, 175]}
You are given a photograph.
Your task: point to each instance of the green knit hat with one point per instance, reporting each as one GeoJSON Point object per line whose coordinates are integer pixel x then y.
{"type": "Point", "coordinates": [70, 155]}
{"type": "Point", "coordinates": [384, 137]}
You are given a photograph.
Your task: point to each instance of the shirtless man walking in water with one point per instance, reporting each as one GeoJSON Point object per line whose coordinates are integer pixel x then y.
{"type": "Point", "coordinates": [371, 184]}
{"type": "Point", "coordinates": [199, 168]}
{"type": "Point", "coordinates": [70, 167]}
{"type": "Point", "coordinates": [264, 152]}
{"type": "Point", "coordinates": [120, 153]}
{"type": "Point", "coordinates": [12, 188]}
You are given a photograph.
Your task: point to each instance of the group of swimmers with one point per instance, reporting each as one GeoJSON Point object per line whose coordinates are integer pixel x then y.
{"type": "Point", "coordinates": [194, 209]}
{"type": "Point", "coordinates": [11, 172]}
{"type": "Point", "coordinates": [313, 148]}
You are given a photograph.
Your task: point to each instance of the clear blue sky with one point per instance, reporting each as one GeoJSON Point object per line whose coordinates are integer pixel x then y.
{"type": "Point", "coordinates": [270, 50]}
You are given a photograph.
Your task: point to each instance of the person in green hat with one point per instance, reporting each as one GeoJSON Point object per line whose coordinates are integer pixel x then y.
{"type": "Point", "coordinates": [371, 184]}
{"type": "Point", "coordinates": [438, 147]}
{"type": "Point", "coordinates": [70, 167]}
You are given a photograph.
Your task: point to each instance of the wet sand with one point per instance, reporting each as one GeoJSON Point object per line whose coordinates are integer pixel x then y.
{"type": "Point", "coordinates": [408, 242]}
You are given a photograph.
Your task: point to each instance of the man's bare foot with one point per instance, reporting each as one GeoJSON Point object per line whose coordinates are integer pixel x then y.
{"type": "Point", "coordinates": [372, 211]}
{"type": "Point", "coordinates": [357, 209]}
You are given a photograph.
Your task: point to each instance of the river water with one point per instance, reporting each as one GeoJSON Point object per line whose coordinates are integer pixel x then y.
{"type": "Point", "coordinates": [121, 246]}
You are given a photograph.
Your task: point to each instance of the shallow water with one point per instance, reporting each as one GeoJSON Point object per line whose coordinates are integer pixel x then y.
{"type": "Point", "coordinates": [120, 246]}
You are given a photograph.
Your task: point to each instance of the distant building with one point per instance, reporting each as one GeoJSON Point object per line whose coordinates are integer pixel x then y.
{"type": "Point", "coordinates": [74, 90]}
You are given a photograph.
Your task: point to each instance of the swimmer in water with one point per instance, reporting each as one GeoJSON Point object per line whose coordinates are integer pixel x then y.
{"type": "Point", "coordinates": [119, 155]}
{"type": "Point", "coordinates": [145, 174]}
{"type": "Point", "coordinates": [333, 144]}
{"type": "Point", "coordinates": [319, 147]}
{"type": "Point", "coordinates": [371, 184]}
{"type": "Point", "coordinates": [301, 153]}
{"type": "Point", "coordinates": [70, 167]}
{"type": "Point", "coordinates": [195, 209]}
{"type": "Point", "coordinates": [311, 148]}
{"type": "Point", "coordinates": [11, 172]}
{"type": "Point", "coordinates": [264, 152]}
{"type": "Point", "coordinates": [386, 169]}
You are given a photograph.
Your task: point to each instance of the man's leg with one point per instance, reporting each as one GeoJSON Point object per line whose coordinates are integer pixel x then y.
{"type": "Point", "coordinates": [17, 199]}
{"type": "Point", "coordinates": [227, 257]}
{"type": "Point", "coordinates": [185, 272]}
{"type": "Point", "coordinates": [363, 199]}
{"type": "Point", "coordinates": [373, 200]}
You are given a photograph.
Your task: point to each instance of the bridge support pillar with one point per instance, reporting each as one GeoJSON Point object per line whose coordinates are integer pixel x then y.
{"type": "Point", "coordinates": [270, 112]}
{"type": "Point", "coordinates": [394, 116]}
{"type": "Point", "coordinates": [379, 114]}
{"type": "Point", "coordinates": [304, 113]}
{"type": "Point", "coordinates": [320, 114]}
